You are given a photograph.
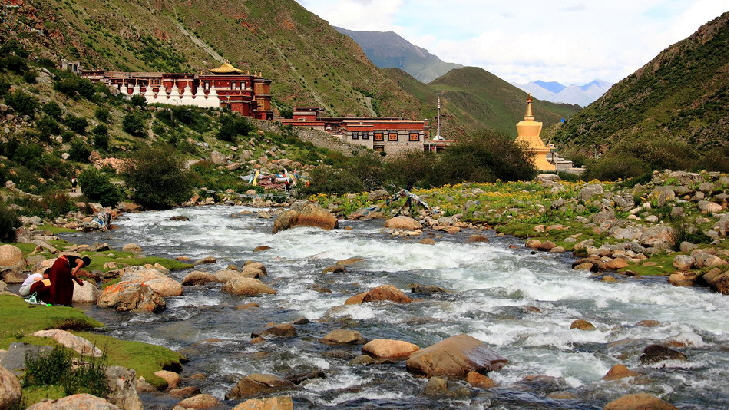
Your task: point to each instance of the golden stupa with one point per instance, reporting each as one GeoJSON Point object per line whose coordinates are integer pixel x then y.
{"type": "Point", "coordinates": [528, 132]}
{"type": "Point", "coordinates": [226, 68]}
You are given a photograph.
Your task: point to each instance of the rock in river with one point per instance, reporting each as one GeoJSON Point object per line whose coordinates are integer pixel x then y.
{"type": "Point", "coordinates": [403, 222]}
{"type": "Point", "coordinates": [455, 356]}
{"type": "Point", "coordinates": [255, 384]}
{"type": "Point", "coordinates": [247, 287]}
{"type": "Point", "coordinates": [76, 401]}
{"type": "Point", "coordinates": [269, 403]}
{"type": "Point", "coordinates": [658, 353]}
{"type": "Point", "coordinates": [125, 296]}
{"type": "Point", "coordinates": [306, 214]}
{"type": "Point", "coordinates": [343, 337]}
{"type": "Point", "coordinates": [389, 349]}
{"type": "Point", "coordinates": [640, 401]}
{"type": "Point", "coordinates": [380, 293]}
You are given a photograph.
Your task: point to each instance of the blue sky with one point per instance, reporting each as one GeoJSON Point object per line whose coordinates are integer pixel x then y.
{"type": "Point", "coordinates": [571, 41]}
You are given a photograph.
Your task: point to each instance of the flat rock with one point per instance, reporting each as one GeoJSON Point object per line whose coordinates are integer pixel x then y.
{"type": "Point", "coordinates": [582, 324]}
{"type": "Point", "coordinates": [76, 401]}
{"type": "Point", "coordinates": [343, 337]}
{"type": "Point", "coordinates": [640, 401]}
{"type": "Point", "coordinates": [389, 349]}
{"type": "Point", "coordinates": [277, 330]}
{"type": "Point", "coordinates": [197, 277]}
{"type": "Point", "coordinates": [172, 378]}
{"type": "Point", "coordinates": [403, 222]}
{"type": "Point", "coordinates": [455, 356]}
{"type": "Point", "coordinates": [71, 341]}
{"type": "Point", "coordinates": [307, 214]}
{"type": "Point", "coordinates": [255, 384]}
{"type": "Point", "coordinates": [88, 293]}
{"type": "Point", "coordinates": [270, 403]}
{"type": "Point", "coordinates": [476, 379]}
{"type": "Point", "coordinates": [658, 353]}
{"type": "Point", "coordinates": [200, 401]}
{"type": "Point", "coordinates": [247, 287]}
{"type": "Point", "coordinates": [132, 247]}
{"type": "Point", "coordinates": [386, 292]}
{"type": "Point", "coordinates": [134, 296]}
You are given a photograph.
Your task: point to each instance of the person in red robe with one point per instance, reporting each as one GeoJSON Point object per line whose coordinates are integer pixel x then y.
{"type": "Point", "coordinates": [63, 273]}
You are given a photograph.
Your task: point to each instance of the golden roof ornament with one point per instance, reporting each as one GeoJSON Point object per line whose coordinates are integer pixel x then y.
{"type": "Point", "coordinates": [226, 68]}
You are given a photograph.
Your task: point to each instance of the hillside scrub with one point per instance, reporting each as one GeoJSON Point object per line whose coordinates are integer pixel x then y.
{"type": "Point", "coordinates": [97, 186]}
{"type": "Point", "coordinates": [157, 178]}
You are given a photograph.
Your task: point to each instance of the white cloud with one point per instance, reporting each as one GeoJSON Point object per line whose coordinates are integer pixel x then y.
{"type": "Point", "coordinates": [571, 41]}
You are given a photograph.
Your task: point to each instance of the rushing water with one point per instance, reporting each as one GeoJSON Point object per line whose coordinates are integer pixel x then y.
{"type": "Point", "coordinates": [493, 286]}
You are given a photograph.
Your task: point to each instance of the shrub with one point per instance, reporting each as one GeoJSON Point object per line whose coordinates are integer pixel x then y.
{"type": "Point", "coordinates": [47, 369]}
{"type": "Point", "coordinates": [101, 137]}
{"type": "Point", "coordinates": [412, 168]}
{"type": "Point", "coordinates": [102, 114]}
{"type": "Point", "coordinates": [232, 125]}
{"type": "Point", "coordinates": [57, 368]}
{"type": "Point", "coordinates": [79, 151]}
{"type": "Point", "coordinates": [134, 123]}
{"type": "Point", "coordinates": [16, 64]}
{"type": "Point", "coordinates": [67, 136]}
{"type": "Point", "coordinates": [615, 166]}
{"type": "Point", "coordinates": [97, 186]}
{"type": "Point", "coordinates": [47, 126]}
{"type": "Point", "coordinates": [138, 100]}
{"type": "Point", "coordinates": [9, 222]}
{"type": "Point", "coordinates": [76, 124]}
{"type": "Point", "coordinates": [158, 178]}
{"type": "Point", "coordinates": [333, 181]}
{"type": "Point", "coordinates": [56, 204]}
{"type": "Point", "coordinates": [185, 115]}
{"type": "Point", "coordinates": [4, 87]}
{"type": "Point", "coordinates": [74, 86]}
{"type": "Point", "coordinates": [30, 76]}
{"type": "Point", "coordinates": [22, 103]}
{"type": "Point", "coordinates": [53, 110]}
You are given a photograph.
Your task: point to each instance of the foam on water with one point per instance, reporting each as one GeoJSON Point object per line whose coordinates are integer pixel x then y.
{"type": "Point", "coordinates": [492, 286]}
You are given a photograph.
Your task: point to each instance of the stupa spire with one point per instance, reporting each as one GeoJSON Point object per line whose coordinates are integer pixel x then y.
{"type": "Point", "coordinates": [529, 116]}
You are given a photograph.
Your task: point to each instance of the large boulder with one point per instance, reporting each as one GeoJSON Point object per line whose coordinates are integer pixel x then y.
{"type": "Point", "coordinates": [88, 293]}
{"type": "Point", "coordinates": [9, 389]}
{"type": "Point", "coordinates": [76, 401]}
{"type": "Point", "coordinates": [389, 349]}
{"type": "Point", "coordinates": [658, 353]}
{"type": "Point", "coordinates": [380, 293]}
{"type": "Point", "coordinates": [455, 356]}
{"type": "Point", "coordinates": [71, 341]}
{"type": "Point", "coordinates": [156, 280]}
{"type": "Point", "coordinates": [619, 371]}
{"type": "Point", "coordinates": [125, 296]}
{"type": "Point", "coordinates": [171, 378]}
{"type": "Point", "coordinates": [255, 384]}
{"type": "Point", "coordinates": [11, 257]}
{"type": "Point", "coordinates": [640, 401]}
{"type": "Point", "coordinates": [343, 337]}
{"type": "Point", "coordinates": [305, 214]}
{"type": "Point", "coordinates": [247, 287]}
{"type": "Point", "coordinates": [269, 403]}
{"type": "Point", "coordinates": [122, 388]}
{"type": "Point", "coordinates": [200, 401]}
{"type": "Point", "coordinates": [403, 222]}
{"type": "Point", "coordinates": [197, 277]}
{"type": "Point", "coordinates": [590, 190]}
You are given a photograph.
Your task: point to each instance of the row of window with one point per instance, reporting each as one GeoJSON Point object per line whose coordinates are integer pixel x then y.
{"type": "Point", "coordinates": [380, 136]}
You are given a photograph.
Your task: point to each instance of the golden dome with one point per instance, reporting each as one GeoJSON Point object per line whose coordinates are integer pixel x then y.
{"type": "Point", "coordinates": [226, 68]}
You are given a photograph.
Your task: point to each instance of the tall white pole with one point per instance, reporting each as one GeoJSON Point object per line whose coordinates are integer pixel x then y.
{"type": "Point", "coordinates": [437, 136]}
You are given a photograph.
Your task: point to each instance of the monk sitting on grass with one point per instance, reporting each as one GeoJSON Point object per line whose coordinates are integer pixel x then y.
{"type": "Point", "coordinates": [63, 272]}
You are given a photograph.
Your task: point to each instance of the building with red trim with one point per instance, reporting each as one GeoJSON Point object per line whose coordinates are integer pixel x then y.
{"type": "Point", "coordinates": [225, 86]}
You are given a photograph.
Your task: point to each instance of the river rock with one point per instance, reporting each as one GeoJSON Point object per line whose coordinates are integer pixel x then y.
{"type": "Point", "coordinates": [619, 371]}
{"type": "Point", "coordinates": [172, 378]}
{"type": "Point", "coordinates": [658, 353]}
{"type": "Point", "coordinates": [156, 280]}
{"type": "Point", "coordinates": [477, 238]}
{"type": "Point", "coordinates": [11, 257]}
{"type": "Point", "coordinates": [403, 223]}
{"type": "Point", "coordinates": [476, 379]}
{"type": "Point", "coordinates": [276, 330]}
{"type": "Point", "coordinates": [307, 214]}
{"type": "Point", "coordinates": [182, 392]}
{"type": "Point", "coordinates": [427, 241]}
{"type": "Point", "coordinates": [683, 262]}
{"type": "Point", "coordinates": [389, 349]}
{"type": "Point", "coordinates": [682, 279]}
{"type": "Point", "coordinates": [615, 264]}
{"type": "Point", "coordinates": [9, 389]}
{"type": "Point", "coordinates": [88, 293]}
{"type": "Point", "coordinates": [197, 277]}
{"type": "Point", "coordinates": [71, 341]}
{"type": "Point", "coordinates": [582, 324]}
{"type": "Point", "coordinates": [247, 287]}
{"type": "Point", "coordinates": [255, 384]}
{"type": "Point", "coordinates": [269, 403]}
{"type": "Point", "coordinates": [261, 248]}
{"type": "Point", "coordinates": [386, 292]}
{"type": "Point", "coordinates": [200, 401]}
{"type": "Point", "coordinates": [426, 289]}
{"type": "Point", "coordinates": [708, 207]}
{"type": "Point", "coordinates": [122, 388]}
{"type": "Point", "coordinates": [125, 296]}
{"type": "Point", "coordinates": [640, 401]}
{"type": "Point", "coordinates": [76, 401]}
{"type": "Point", "coordinates": [132, 247]}
{"type": "Point", "coordinates": [343, 337]}
{"type": "Point", "coordinates": [455, 356]}
{"type": "Point", "coordinates": [590, 190]}
{"type": "Point", "coordinates": [707, 260]}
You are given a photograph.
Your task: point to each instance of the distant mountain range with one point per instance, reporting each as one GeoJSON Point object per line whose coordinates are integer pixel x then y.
{"type": "Point", "coordinates": [386, 49]}
{"type": "Point", "coordinates": [553, 91]}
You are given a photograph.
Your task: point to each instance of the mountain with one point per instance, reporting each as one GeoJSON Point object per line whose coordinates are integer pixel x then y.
{"type": "Point", "coordinates": [473, 98]}
{"type": "Point", "coordinates": [386, 49]}
{"type": "Point", "coordinates": [309, 62]}
{"type": "Point", "coordinates": [553, 91]}
{"type": "Point", "coordinates": [681, 94]}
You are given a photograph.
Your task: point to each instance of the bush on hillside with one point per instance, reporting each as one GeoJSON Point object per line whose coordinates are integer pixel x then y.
{"type": "Point", "coordinates": [4, 87]}
{"type": "Point", "coordinates": [22, 103]}
{"type": "Point", "coordinates": [331, 180]}
{"type": "Point", "coordinates": [97, 187]}
{"type": "Point", "coordinates": [75, 376]}
{"type": "Point", "coordinates": [157, 177]}
{"type": "Point", "coordinates": [135, 123]}
{"type": "Point", "coordinates": [413, 168]}
{"type": "Point", "coordinates": [76, 124]}
{"type": "Point", "coordinates": [138, 100]}
{"type": "Point", "coordinates": [74, 86]}
{"type": "Point", "coordinates": [232, 125]}
{"type": "Point", "coordinates": [101, 137]}
{"type": "Point", "coordinates": [53, 110]}
{"type": "Point", "coordinates": [9, 222]}
{"type": "Point", "coordinates": [79, 151]}
{"type": "Point", "coordinates": [47, 126]}
{"type": "Point", "coordinates": [192, 117]}
{"type": "Point", "coordinates": [67, 136]}
{"type": "Point", "coordinates": [30, 76]}
{"type": "Point", "coordinates": [615, 166]}
{"type": "Point", "coordinates": [102, 114]}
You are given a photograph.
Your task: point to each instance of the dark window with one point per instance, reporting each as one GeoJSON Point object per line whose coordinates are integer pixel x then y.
{"type": "Point", "coordinates": [414, 136]}
{"type": "Point", "coordinates": [379, 136]}
{"type": "Point", "coordinates": [365, 135]}
{"type": "Point", "coordinates": [392, 136]}
{"type": "Point", "coordinates": [355, 135]}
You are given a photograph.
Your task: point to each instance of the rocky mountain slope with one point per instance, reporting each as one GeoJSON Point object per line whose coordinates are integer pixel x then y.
{"type": "Point", "coordinates": [473, 98]}
{"type": "Point", "coordinates": [387, 49]}
{"type": "Point", "coordinates": [681, 94]}
{"type": "Point", "coordinates": [309, 61]}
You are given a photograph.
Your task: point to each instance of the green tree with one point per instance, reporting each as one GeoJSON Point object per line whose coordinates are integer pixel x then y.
{"type": "Point", "coordinates": [102, 114]}
{"type": "Point", "coordinates": [97, 186]}
{"type": "Point", "coordinates": [22, 103]}
{"type": "Point", "coordinates": [232, 125]}
{"type": "Point", "coordinates": [79, 151]}
{"type": "Point", "coordinates": [53, 110]}
{"type": "Point", "coordinates": [138, 101]}
{"type": "Point", "coordinates": [76, 124]}
{"type": "Point", "coordinates": [157, 177]}
{"type": "Point", "coordinates": [101, 137]}
{"type": "Point", "coordinates": [135, 123]}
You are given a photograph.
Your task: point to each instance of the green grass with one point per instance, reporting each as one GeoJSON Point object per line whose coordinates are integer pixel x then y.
{"type": "Point", "coordinates": [663, 267]}
{"type": "Point", "coordinates": [18, 320]}
{"type": "Point", "coordinates": [35, 394]}
{"type": "Point", "coordinates": [54, 230]}
{"type": "Point", "coordinates": [98, 259]}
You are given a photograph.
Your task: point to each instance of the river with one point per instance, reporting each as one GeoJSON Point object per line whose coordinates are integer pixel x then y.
{"type": "Point", "coordinates": [494, 289]}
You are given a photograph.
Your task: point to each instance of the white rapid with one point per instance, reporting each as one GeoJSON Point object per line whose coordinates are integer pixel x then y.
{"type": "Point", "coordinates": [495, 290]}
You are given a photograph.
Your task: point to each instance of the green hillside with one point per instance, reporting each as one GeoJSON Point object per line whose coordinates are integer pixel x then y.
{"type": "Point", "coordinates": [473, 98]}
{"type": "Point", "coordinates": [681, 95]}
{"type": "Point", "coordinates": [309, 61]}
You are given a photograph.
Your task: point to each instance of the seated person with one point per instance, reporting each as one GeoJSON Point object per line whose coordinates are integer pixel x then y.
{"type": "Point", "coordinates": [42, 288]}
{"type": "Point", "coordinates": [30, 280]}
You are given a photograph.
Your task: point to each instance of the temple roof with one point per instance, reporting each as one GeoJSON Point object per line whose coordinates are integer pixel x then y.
{"type": "Point", "coordinates": [226, 68]}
